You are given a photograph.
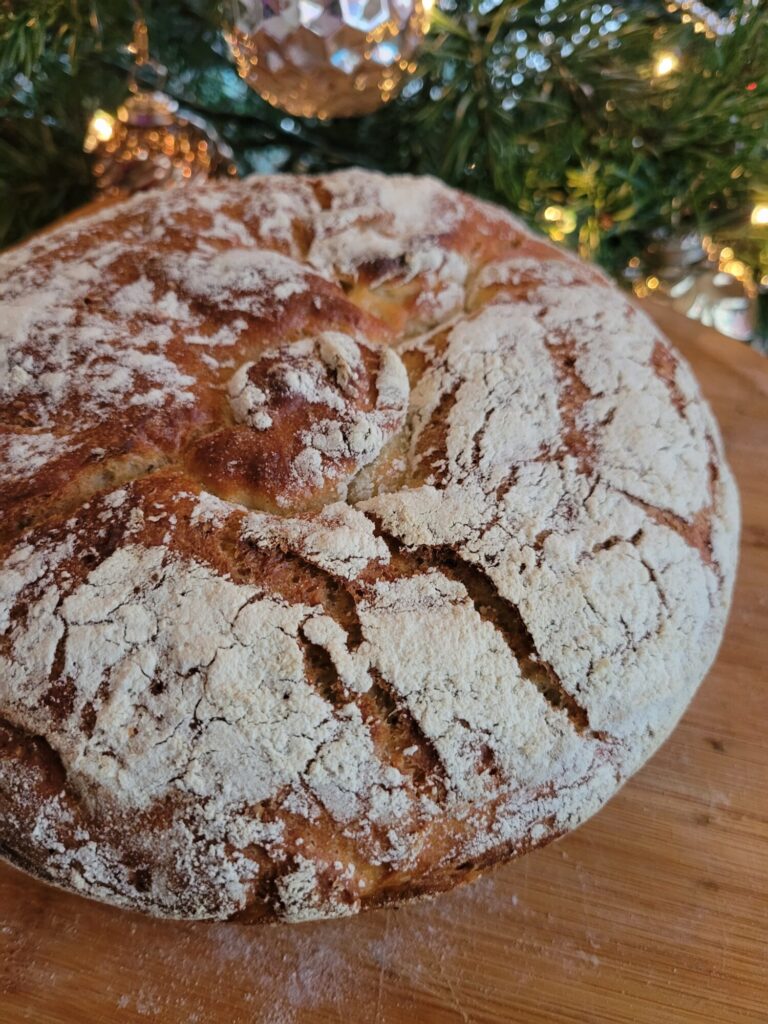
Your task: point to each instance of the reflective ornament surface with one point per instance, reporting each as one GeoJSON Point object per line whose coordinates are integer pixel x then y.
{"type": "Point", "coordinates": [327, 58]}
{"type": "Point", "coordinates": [702, 288]}
{"type": "Point", "coordinates": [150, 143]}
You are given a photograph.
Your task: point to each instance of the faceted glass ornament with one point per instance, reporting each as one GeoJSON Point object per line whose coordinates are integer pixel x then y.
{"type": "Point", "coordinates": [151, 143]}
{"type": "Point", "coordinates": [327, 58]}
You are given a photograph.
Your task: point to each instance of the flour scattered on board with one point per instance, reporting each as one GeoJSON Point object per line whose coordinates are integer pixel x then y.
{"type": "Point", "coordinates": [279, 975]}
{"type": "Point", "coordinates": [285, 975]}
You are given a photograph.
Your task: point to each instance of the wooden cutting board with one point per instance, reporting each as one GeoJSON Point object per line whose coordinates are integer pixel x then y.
{"type": "Point", "coordinates": [655, 911]}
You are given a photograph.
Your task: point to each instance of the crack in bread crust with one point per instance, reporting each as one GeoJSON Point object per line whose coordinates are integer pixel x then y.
{"type": "Point", "coordinates": [501, 613]}
{"type": "Point", "coordinates": [353, 539]}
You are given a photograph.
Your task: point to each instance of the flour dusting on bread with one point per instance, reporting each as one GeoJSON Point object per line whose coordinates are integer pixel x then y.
{"type": "Point", "coordinates": [353, 539]}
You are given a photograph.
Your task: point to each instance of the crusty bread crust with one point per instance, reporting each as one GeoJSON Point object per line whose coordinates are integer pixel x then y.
{"type": "Point", "coordinates": [353, 539]}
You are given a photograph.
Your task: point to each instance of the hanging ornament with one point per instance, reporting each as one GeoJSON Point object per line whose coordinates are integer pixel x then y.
{"type": "Point", "coordinates": [327, 58]}
{"type": "Point", "coordinates": [711, 287]}
{"type": "Point", "coordinates": [150, 142]}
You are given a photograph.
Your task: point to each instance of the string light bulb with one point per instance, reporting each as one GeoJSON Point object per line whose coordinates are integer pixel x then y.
{"type": "Point", "coordinates": [101, 128]}
{"type": "Point", "coordinates": [666, 63]}
{"type": "Point", "coordinates": [760, 215]}
{"type": "Point", "coordinates": [561, 221]}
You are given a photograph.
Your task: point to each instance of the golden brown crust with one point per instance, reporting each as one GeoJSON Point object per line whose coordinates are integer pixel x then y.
{"type": "Point", "coordinates": [353, 540]}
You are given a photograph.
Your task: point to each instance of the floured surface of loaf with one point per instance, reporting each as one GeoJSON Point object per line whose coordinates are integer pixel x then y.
{"type": "Point", "coordinates": [353, 539]}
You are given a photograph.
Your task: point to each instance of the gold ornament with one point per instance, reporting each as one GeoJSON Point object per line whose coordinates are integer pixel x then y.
{"type": "Point", "coordinates": [149, 142]}
{"type": "Point", "coordinates": [327, 58]}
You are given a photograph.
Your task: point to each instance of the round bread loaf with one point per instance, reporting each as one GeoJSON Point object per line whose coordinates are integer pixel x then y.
{"type": "Point", "coordinates": [353, 539]}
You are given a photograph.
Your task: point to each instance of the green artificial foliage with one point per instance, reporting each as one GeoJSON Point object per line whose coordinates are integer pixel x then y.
{"type": "Point", "coordinates": [551, 107]}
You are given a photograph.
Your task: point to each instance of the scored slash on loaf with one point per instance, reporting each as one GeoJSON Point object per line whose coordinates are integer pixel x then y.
{"type": "Point", "coordinates": [353, 539]}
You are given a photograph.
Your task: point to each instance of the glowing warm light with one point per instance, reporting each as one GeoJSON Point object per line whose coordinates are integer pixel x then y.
{"type": "Point", "coordinates": [427, 5]}
{"type": "Point", "coordinates": [101, 128]}
{"type": "Point", "coordinates": [760, 215]}
{"type": "Point", "coordinates": [102, 125]}
{"type": "Point", "coordinates": [726, 253]}
{"type": "Point", "coordinates": [561, 221]}
{"type": "Point", "coordinates": [652, 283]}
{"type": "Point", "coordinates": [735, 268]}
{"type": "Point", "coordinates": [666, 63]}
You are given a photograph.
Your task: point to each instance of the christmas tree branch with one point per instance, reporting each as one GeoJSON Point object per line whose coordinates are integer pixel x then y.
{"type": "Point", "coordinates": [607, 124]}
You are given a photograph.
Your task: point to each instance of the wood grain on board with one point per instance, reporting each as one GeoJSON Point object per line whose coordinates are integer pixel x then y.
{"type": "Point", "coordinates": [655, 911]}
